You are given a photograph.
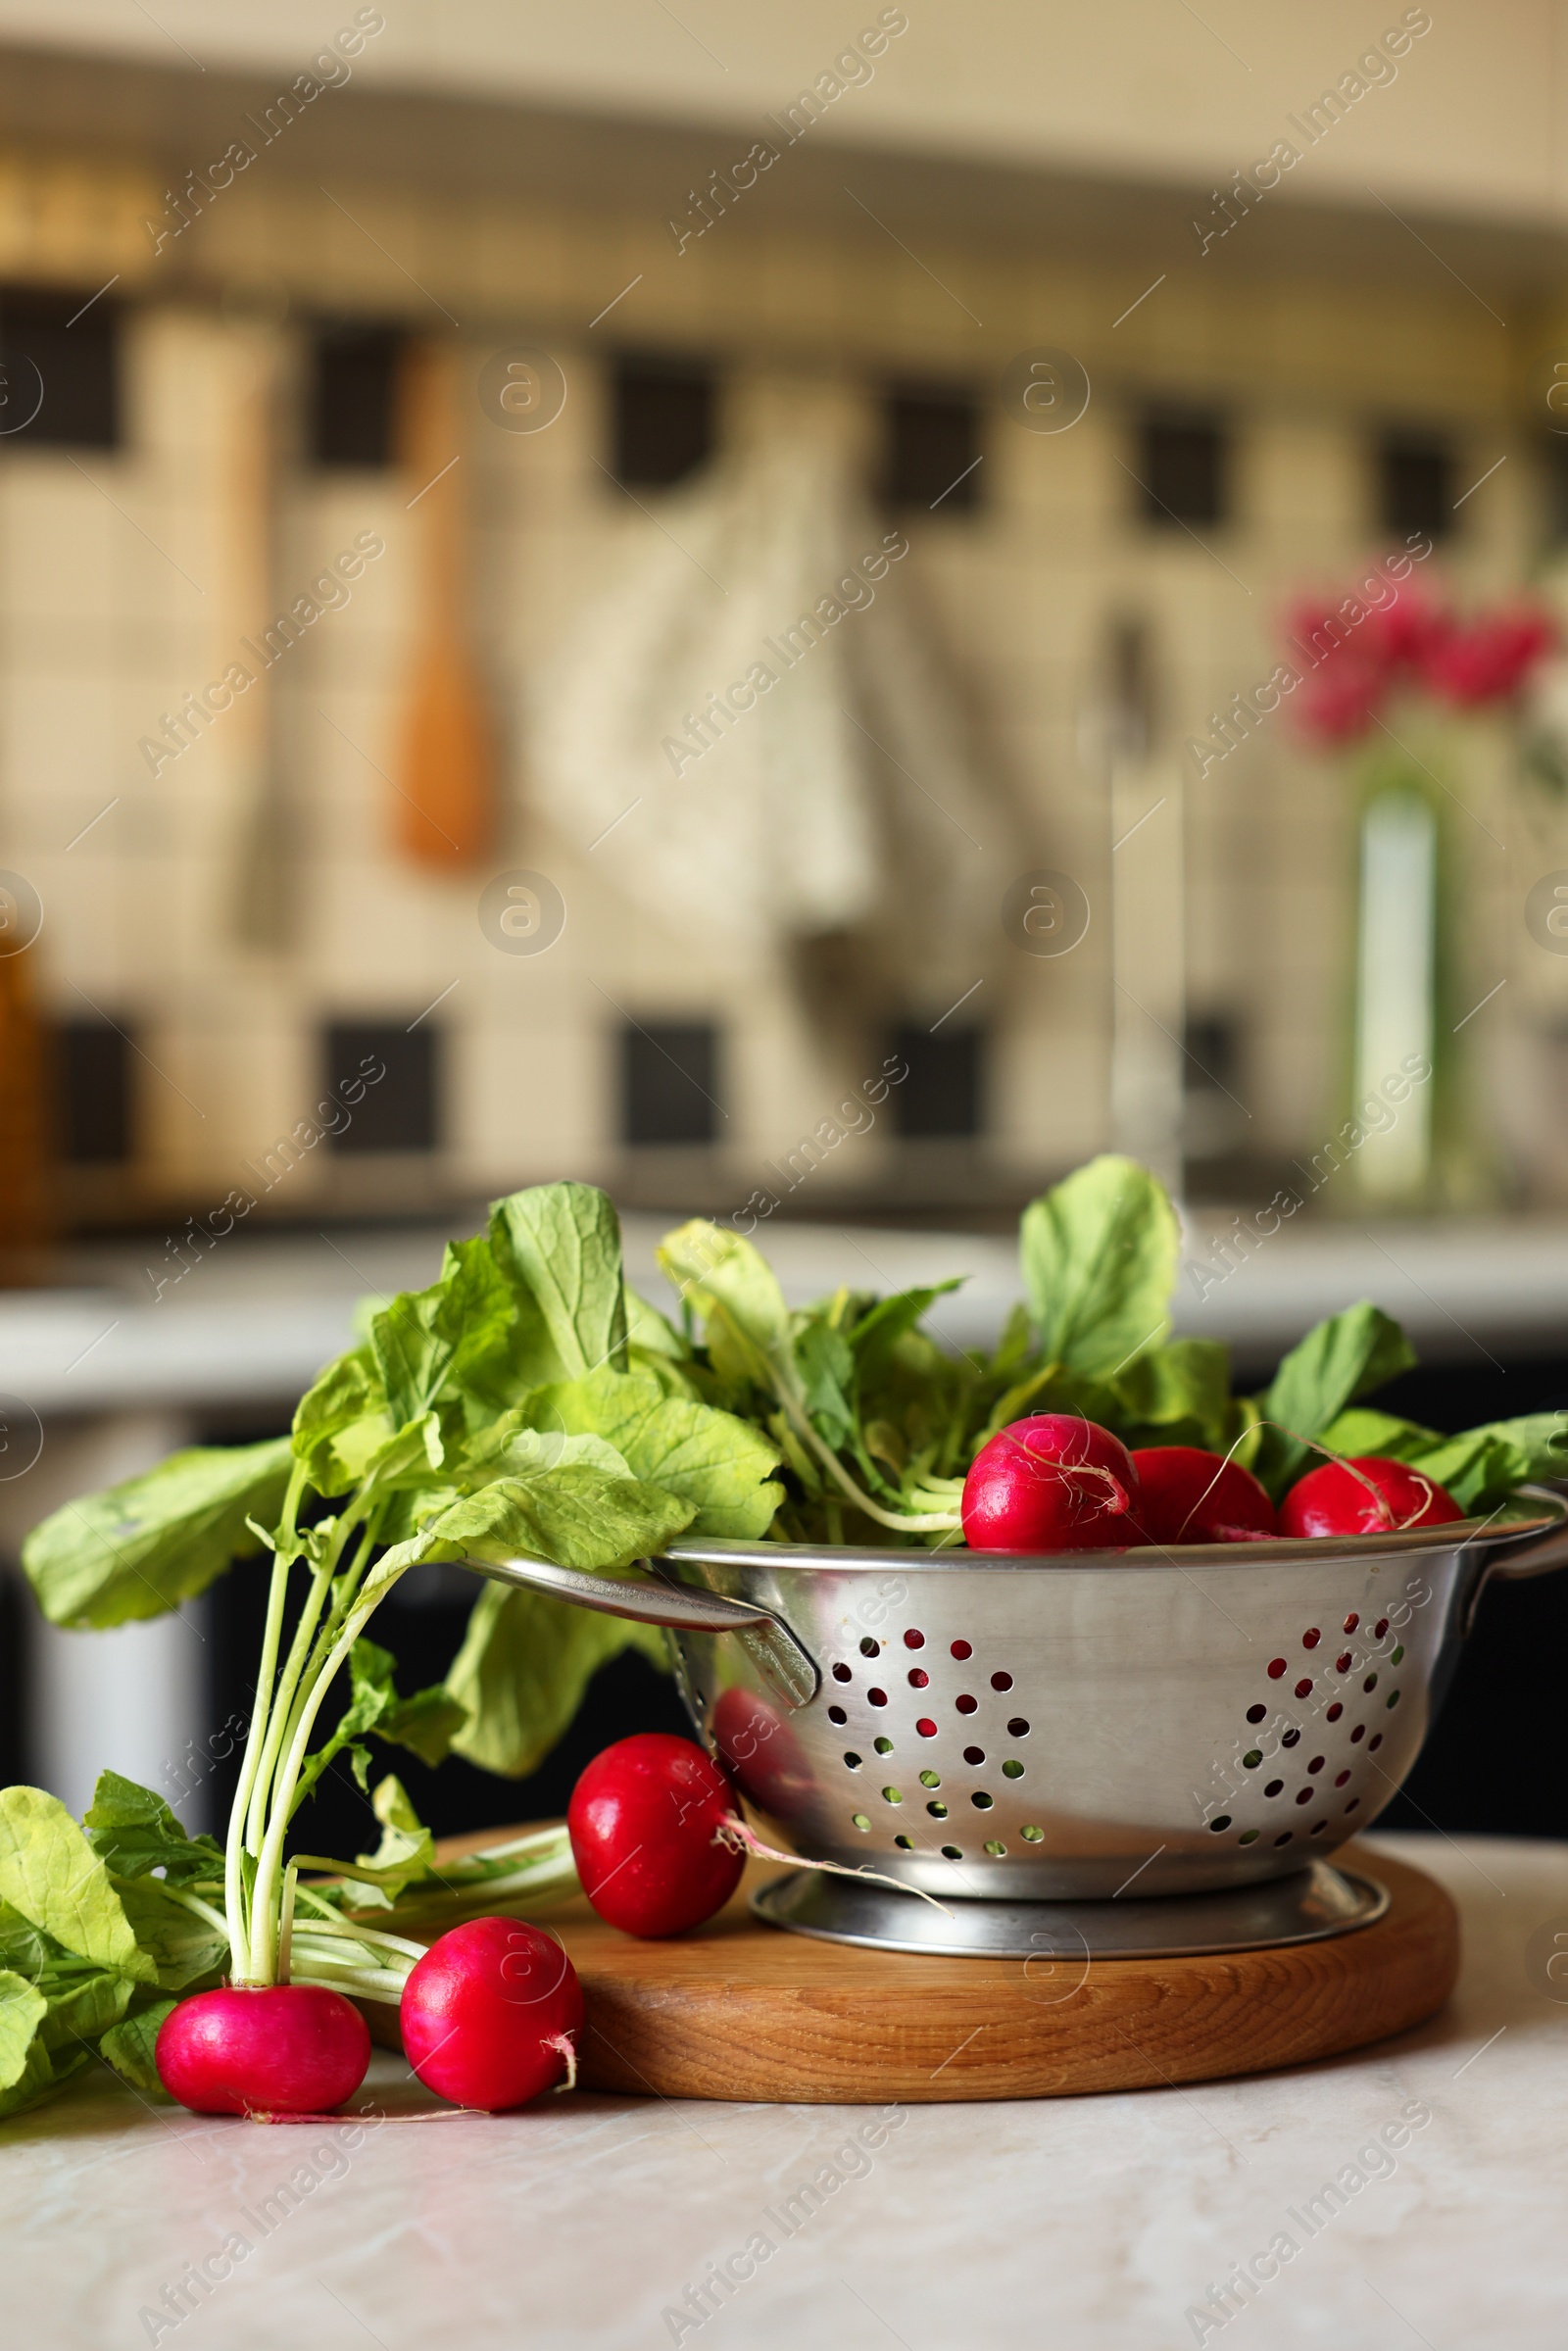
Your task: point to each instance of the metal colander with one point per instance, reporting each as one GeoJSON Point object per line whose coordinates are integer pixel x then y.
{"type": "Point", "coordinates": [996, 1726]}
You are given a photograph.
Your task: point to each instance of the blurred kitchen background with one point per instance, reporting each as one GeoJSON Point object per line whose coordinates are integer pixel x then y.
{"type": "Point", "coordinates": [421, 434]}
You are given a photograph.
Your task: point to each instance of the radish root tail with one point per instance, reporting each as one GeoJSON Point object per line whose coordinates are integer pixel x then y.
{"type": "Point", "coordinates": [739, 1839]}
{"type": "Point", "coordinates": [568, 2050]}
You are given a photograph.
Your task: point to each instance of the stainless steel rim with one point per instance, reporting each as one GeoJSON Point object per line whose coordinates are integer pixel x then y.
{"type": "Point", "coordinates": [1283, 1552]}
{"type": "Point", "coordinates": [1058, 1941]}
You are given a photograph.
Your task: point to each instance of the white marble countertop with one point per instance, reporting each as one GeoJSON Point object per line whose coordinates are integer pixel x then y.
{"type": "Point", "coordinates": [1076, 2224]}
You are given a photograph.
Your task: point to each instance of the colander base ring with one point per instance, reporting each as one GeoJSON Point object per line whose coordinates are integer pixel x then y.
{"type": "Point", "coordinates": [1308, 1906]}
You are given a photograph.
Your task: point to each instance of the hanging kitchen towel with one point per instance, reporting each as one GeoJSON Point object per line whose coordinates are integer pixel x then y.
{"type": "Point", "coordinates": [445, 811]}
{"type": "Point", "coordinates": [755, 728]}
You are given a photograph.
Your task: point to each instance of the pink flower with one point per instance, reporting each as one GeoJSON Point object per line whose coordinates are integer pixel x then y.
{"type": "Point", "coordinates": [1338, 703]}
{"type": "Point", "coordinates": [1489, 660]}
{"type": "Point", "coordinates": [1398, 636]}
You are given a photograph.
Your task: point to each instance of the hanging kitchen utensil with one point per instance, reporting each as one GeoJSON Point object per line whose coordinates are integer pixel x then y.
{"type": "Point", "coordinates": [24, 1136]}
{"type": "Point", "coordinates": [444, 816]}
{"type": "Point", "coordinates": [263, 892]}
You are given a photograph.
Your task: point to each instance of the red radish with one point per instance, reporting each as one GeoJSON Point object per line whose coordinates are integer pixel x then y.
{"type": "Point", "coordinates": [1366, 1495]}
{"type": "Point", "coordinates": [652, 1828]}
{"type": "Point", "coordinates": [283, 2048]}
{"type": "Point", "coordinates": [490, 2015]}
{"type": "Point", "coordinates": [1052, 1483]}
{"type": "Point", "coordinates": [1186, 1494]}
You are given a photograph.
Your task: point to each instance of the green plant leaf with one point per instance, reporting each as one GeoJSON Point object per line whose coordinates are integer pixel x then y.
{"type": "Point", "coordinates": [825, 1365]}
{"type": "Point", "coordinates": [428, 1341]}
{"type": "Point", "coordinates": [131, 2049]}
{"type": "Point", "coordinates": [651, 1332]}
{"type": "Point", "coordinates": [1479, 1467]}
{"type": "Point", "coordinates": [183, 1947]}
{"type": "Point", "coordinates": [405, 1853]}
{"type": "Point", "coordinates": [733, 1288]}
{"type": "Point", "coordinates": [1364, 1431]}
{"type": "Point", "coordinates": [425, 1723]}
{"type": "Point", "coordinates": [1176, 1394]}
{"type": "Point", "coordinates": [408, 1456]}
{"type": "Point", "coordinates": [572, 1512]}
{"type": "Point", "coordinates": [522, 1669]}
{"type": "Point", "coordinates": [80, 2011]}
{"type": "Point", "coordinates": [50, 1873]}
{"type": "Point", "coordinates": [133, 1832]}
{"type": "Point", "coordinates": [557, 1246]}
{"type": "Point", "coordinates": [340, 1422]}
{"type": "Point", "coordinates": [1346, 1357]}
{"type": "Point", "coordinates": [141, 1547]}
{"type": "Point", "coordinates": [875, 1335]}
{"type": "Point", "coordinates": [718, 1463]}
{"type": "Point", "coordinates": [22, 2009]}
{"type": "Point", "coordinates": [1099, 1255]}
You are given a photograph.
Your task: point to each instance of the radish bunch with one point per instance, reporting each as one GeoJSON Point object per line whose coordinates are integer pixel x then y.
{"type": "Point", "coordinates": [489, 2017]}
{"type": "Point", "coordinates": [1056, 1482]}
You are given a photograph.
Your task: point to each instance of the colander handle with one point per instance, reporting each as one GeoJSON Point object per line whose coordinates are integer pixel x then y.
{"type": "Point", "coordinates": [1539, 1558]}
{"type": "Point", "coordinates": [648, 1601]}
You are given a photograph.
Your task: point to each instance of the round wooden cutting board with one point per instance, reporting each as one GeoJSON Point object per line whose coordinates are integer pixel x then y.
{"type": "Point", "coordinates": [740, 2010]}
